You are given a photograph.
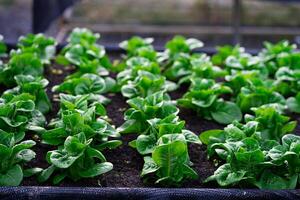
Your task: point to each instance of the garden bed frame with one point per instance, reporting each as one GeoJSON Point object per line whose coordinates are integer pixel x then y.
{"type": "Point", "coordinates": [91, 193]}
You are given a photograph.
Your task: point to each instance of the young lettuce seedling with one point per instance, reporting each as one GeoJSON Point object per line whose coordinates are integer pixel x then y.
{"type": "Point", "coordinates": [91, 84]}
{"type": "Point", "coordinates": [13, 156]}
{"type": "Point", "coordinates": [43, 47]}
{"type": "Point", "coordinates": [203, 97]}
{"type": "Point", "coordinates": [84, 53]}
{"type": "Point", "coordinates": [76, 159]}
{"type": "Point", "coordinates": [18, 115]}
{"type": "Point", "coordinates": [79, 115]}
{"type": "Point", "coordinates": [34, 86]}
{"type": "Point", "coordinates": [254, 153]}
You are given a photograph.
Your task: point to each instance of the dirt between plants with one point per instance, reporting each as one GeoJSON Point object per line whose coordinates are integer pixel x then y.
{"type": "Point", "coordinates": [127, 162]}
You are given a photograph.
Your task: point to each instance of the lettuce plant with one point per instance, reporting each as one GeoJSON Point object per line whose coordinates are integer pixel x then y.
{"type": "Point", "coordinates": [147, 141]}
{"type": "Point", "coordinates": [87, 84]}
{"type": "Point", "coordinates": [201, 67]}
{"type": "Point", "coordinates": [162, 138]}
{"type": "Point", "coordinates": [34, 86]}
{"type": "Point", "coordinates": [75, 159]}
{"type": "Point", "coordinates": [293, 103]}
{"type": "Point", "coordinates": [134, 65]}
{"type": "Point", "coordinates": [241, 79]}
{"type": "Point", "coordinates": [139, 47]}
{"type": "Point", "coordinates": [157, 105]}
{"type": "Point", "coordinates": [84, 53]}
{"type": "Point", "coordinates": [223, 52]}
{"type": "Point", "coordinates": [246, 62]}
{"type": "Point", "coordinates": [204, 97]}
{"type": "Point", "coordinates": [20, 64]}
{"type": "Point", "coordinates": [287, 81]}
{"type": "Point", "coordinates": [275, 55]}
{"type": "Point", "coordinates": [13, 157]}
{"type": "Point", "coordinates": [257, 95]}
{"type": "Point", "coordinates": [18, 115]}
{"type": "Point", "coordinates": [272, 125]}
{"type": "Point", "coordinates": [78, 115]}
{"type": "Point", "coordinates": [170, 160]}
{"type": "Point", "coordinates": [252, 159]}
{"type": "Point", "coordinates": [180, 45]}
{"type": "Point", "coordinates": [146, 84]}
{"type": "Point", "coordinates": [43, 47]}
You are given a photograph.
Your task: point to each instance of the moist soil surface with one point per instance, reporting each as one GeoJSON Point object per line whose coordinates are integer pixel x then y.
{"type": "Point", "coordinates": [127, 162]}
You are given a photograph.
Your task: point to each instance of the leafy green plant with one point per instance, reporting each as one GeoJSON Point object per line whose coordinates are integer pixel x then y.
{"type": "Point", "coordinates": [241, 79]}
{"type": "Point", "coordinates": [18, 115]}
{"type": "Point", "coordinates": [250, 158]}
{"type": "Point", "coordinates": [272, 125]}
{"type": "Point", "coordinates": [87, 84]}
{"type": "Point", "coordinates": [34, 86]}
{"type": "Point", "coordinates": [157, 105]}
{"type": "Point", "coordinates": [180, 45]}
{"type": "Point", "coordinates": [202, 67]}
{"type": "Point", "coordinates": [246, 62]}
{"type": "Point", "coordinates": [287, 81]}
{"type": "Point", "coordinates": [20, 63]}
{"type": "Point", "coordinates": [147, 141]}
{"type": "Point", "coordinates": [139, 47]}
{"type": "Point", "coordinates": [275, 55]}
{"type": "Point", "coordinates": [257, 95]}
{"type": "Point", "coordinates": [76, 159]}
{"type": "Point", "coordinates": [223, 52]}
{"type": "Point", "coordinates": [203, 97]}
{"type": "Point", "coordinates": [146, 84]}
{"type": "Point", "coordinates": [79, 115]}
{"type": "Point", "coordinates": [43, 47]}
{"type": "Point", "coordinates": [170, 160]}
{"type": "Point", "coordinates": [83, 52]}
{"type": "Point", "coordinates": [13, 157]}
{"type": "Point", "coordinates": [293, 103]}
{"type": "Point", "coordinates": [134, 65]}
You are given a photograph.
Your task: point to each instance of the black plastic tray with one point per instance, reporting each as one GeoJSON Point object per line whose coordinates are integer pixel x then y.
{"type": "Point", "coordinates": [61, 193]}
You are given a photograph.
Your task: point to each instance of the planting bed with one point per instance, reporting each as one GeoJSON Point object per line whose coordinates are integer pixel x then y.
{"type": "Point", "coordinates": [172, 119]}
{"type": "Point", "coordinates": [127, 162]}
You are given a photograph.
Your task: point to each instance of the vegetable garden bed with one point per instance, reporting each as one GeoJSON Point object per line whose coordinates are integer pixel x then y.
{"type": "Point", "coordinates": [257, 135]}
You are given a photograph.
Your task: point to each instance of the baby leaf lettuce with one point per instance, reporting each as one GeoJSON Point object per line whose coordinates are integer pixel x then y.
{"type": "Point", "coordinates": [20, 64]}
{"type": "Point", "coordinates": [83, 52]}
{"type": "Point", "coordinates": [140, 47]}
{"type": "Point", "coordinates": [180, 44]}
{"type": "Point", "coordinates": [87, 84]}
{"type": "Point", "coordinates": [157, 105]}
{"type": "Point", "coordinates": [43, 47]}
{"type": "Point", "coordinates": [19, 115]}
{"type": "Point", "coordinates": [254, 96]}
{"type": "Point", "coordinates": [34, 86]}
{"type": "Point", "coordinates": [203, 97]}
{"type": "Point", "coordinates": [223, 52]}
{"type": "Point", "coordinates": [76, 159]}
{"type": "Point", "coordinates": [293, 103]}
{"type": "Point", "coordinates": [13, 155]}
{"type": "Point", "coordinates": [146, 84]}
{"type": "Point", "coordinates": [170, 160]}
{"type": "Point", "coordinates": [78, 115]}
{"type": "Point", "coordinates": [251, 155]}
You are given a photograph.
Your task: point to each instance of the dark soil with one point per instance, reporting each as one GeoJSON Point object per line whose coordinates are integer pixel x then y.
{"type": "Point", "coordinates": [127, 162]}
